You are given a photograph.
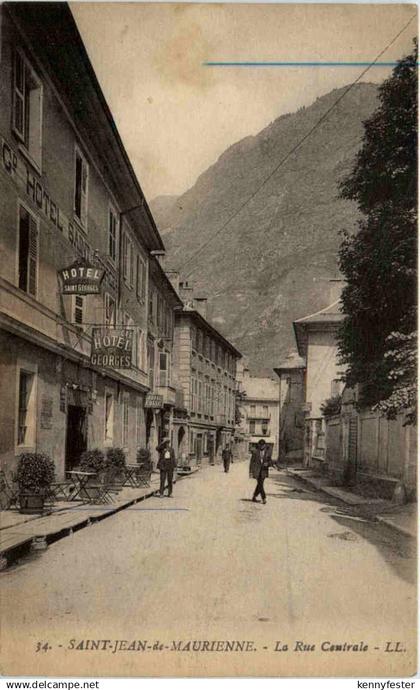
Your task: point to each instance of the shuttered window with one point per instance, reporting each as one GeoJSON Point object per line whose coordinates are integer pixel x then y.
{"type": "Point", "coordinates": [28, 252]}
{"type": "Point", "coordinates": [112, 230]}
{"type": "Point", "coordinates": [27, 107]}
{"type": "Point", "coordinates": [78, 309]}
{"type": "Point", "coordinates": [81, 188]}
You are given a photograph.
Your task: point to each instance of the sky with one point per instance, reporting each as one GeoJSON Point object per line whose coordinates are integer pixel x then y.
{"type": "Point", "coordinates": [177, 116]}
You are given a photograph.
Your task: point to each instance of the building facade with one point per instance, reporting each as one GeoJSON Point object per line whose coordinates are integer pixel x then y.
{"type": "Point", "coordinates": [259, 409]}
{"type": "Point", "coordinates": [291, 375]}
{"type": "Point", "coordinates": [316, 338]}
{"type": "Point", "coordinates": [161, 399]}
{"type": "Point", "coordinates": [204, 416]}
{"type": "Point", "coordinates": [69, 198]}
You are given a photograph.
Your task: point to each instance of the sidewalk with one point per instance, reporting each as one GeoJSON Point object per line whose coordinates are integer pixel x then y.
{"type": "Point", "coordinates": [19, 531]}
{"type": "Point", "coordinates": [402, 518]}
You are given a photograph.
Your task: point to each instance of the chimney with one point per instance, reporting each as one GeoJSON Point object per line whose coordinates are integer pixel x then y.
{"type": "Point", "coordinates": [200, 304]}
{"type": "Point", "coordinates": [186, 293]}
{"type": "Point", "coordinates": [173, 277]}
{"type": "Point", "coordinates": [336, 287]}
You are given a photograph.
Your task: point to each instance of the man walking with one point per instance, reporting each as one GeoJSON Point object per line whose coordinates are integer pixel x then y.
{"type": "Point", "coordinates": [258, 468]}
{"type": "Point", "coordinates": [166, 465]}
{"type": "Point", "coordinates": [226, 457]}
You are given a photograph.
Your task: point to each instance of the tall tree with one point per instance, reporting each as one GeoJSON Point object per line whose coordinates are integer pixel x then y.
{"type": "Point", "coordinates": [379, 261]}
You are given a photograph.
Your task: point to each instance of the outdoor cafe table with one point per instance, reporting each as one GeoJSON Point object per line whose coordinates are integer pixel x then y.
{"type": "Point", "coordinates": [82, 479]}
{"type": "Point", "coordinates": [131, 476]}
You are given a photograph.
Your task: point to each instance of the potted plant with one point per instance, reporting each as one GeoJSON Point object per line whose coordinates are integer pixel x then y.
{"type": "Point", "coordinates": [34, 476]}
{"type": "Point", "coordinates": [116, 462]}
{"type": "Point", "coordinates": [93, 461]}
{"type": "Point", "coordinates": [144, 458]}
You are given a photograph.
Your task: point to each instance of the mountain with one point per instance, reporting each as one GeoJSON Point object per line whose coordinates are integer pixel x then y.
{"type": "Point", "coordinates": [272, 262]}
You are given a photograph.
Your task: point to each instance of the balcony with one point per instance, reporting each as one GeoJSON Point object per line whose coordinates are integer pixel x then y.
{"type": "Point", "coordinates": [168, 394]}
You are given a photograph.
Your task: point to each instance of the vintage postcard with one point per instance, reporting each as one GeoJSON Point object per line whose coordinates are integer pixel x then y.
{"type": "Point", "coordinates": [208, 279]}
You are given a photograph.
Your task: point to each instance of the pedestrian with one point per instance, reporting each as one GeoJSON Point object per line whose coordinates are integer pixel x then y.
{"type": "Point", "coordinates": [226, 457]}
{"type": "Point", "coordinates": [258, 468]}
{"type": "Point", "coordinates": [166, 465]}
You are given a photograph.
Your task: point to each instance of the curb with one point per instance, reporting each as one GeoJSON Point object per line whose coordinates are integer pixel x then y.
{"type": "Point", "coordinates": [337, 493]}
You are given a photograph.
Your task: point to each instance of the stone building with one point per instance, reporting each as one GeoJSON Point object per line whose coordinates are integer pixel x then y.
{"type": "Point", "coordinates": [259, 409]}
{"type": "Point", "coordinates": [204, 417]}
{"type": "Point", "coordinates": [291, 375]}
{"type": "Point", "coordinates": [69, 198]}
{"type": "Point", "coordinates": [161, 399]}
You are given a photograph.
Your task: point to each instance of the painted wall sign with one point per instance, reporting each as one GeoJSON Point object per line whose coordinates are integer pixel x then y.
{"type": "Point", "coordinates": [112, 347]}
{"type": "Point", "coordinates": [81, 278]}
{"type": "Point", "coordinates": [15, 166]}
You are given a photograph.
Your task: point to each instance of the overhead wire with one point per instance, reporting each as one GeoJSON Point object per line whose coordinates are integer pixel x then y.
{"type": "Point", "coordinates": [322, 119]}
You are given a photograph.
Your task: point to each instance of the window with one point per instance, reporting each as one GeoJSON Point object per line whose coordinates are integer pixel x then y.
{"type": "Point", "coordinates": [28, 252]}
{"type": "Point", "coordinates": [264, 427]}
{"type": "Point", "coordinates": [26, 409]}
{"type": "Point", "coordinates": [193, 393]}
{"type": "Point", "coordinates": [128, 260]}
{"type": "Point", "coordinates": [109, 310]}
{"type": "Point", "coordinates": [335, 387]}
{"type": "Point", "coordinates": [252, 426]}
{"type": "Point", "coordinates": [163, 369]}
{"type": "Point", "coordinates": [27, 107]}
{"type": "Point", "coordinates": [265, 411]}
{"type": "Point", "coordinates": [140, 278]}
{"type": "Point", "coordinates": [109, 416]}
{"type": "Point", "coordinates": [140, 349]}
{"type": "Point", "coordinates": [252, 410]}
{"type": "Point", "coordinates": [128, 321]}
{"type": "Point", "coordinates": [193, 338]}
{"type": "Point", "coordinates": [78, 305]}
{"type": "Point", "coordinates": [126, 401]}
{"type": "Point", "coordinates": [151, 364]}
{"type": "Point", "coordinates": [112, 234]}
{"type": "Point", "coordinates": [200, 393]}
{"type": "Point", "coordinates": [81, 188]}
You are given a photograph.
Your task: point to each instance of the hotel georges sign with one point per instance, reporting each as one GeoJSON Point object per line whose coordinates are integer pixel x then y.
{"type": "Point", "coordinates": [81, 278]}
{"type": "Point", "coordinates": [112, 347]}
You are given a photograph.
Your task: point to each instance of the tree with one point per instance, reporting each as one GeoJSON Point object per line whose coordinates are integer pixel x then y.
{"type": "Point", "coordinates": [379, 261]}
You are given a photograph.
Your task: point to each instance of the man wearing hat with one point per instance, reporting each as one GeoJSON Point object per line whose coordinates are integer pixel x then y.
{"type": "Point", "coordinates": [166, 465]}
{"type": "Point", "coordinates": [258, 468]}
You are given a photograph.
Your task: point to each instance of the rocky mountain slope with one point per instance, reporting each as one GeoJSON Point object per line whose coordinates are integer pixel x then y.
{"type": "Point", "coordinates": [272, 263]}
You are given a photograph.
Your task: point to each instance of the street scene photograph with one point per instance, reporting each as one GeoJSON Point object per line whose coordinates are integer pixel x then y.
{"type": "Point", "coordinates": [208, 340]}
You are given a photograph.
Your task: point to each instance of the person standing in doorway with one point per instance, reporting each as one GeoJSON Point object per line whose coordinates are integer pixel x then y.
{"type": "Point", "coordinates": [166, 465]}
{"type": "Point", "coordinates": [258, 468]}
{"type": "Point", "coordinates": [226, 457]}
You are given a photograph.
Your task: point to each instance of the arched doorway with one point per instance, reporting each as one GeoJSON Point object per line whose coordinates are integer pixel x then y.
{"type": "Point", "coordinates": [181, 440]}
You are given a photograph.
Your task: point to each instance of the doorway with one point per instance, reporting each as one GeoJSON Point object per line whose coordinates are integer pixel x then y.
{"type": "Point", "coordinates": [76, 435]}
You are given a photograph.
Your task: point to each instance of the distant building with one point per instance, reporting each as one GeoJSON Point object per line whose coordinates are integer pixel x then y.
{"type": "Point", "coordinates": [204, 415]}
{"type": "Point", "coordinates": [291, 373]}
{"type": "Point", "coordinates": [260, 410]}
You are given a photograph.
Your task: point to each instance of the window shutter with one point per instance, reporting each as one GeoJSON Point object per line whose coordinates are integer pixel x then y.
{"type": "Point", "coordinates": [19, 96]}
{"type": "Point", "coordinates": [32, 256]}
{"type": "Point", "coordinates": [78, 309]}
{"type": "Point", "coordinates": [84, 192]}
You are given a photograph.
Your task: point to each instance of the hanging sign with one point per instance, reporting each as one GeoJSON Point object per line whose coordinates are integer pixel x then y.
{"type": "Point", "coordinates": [81, 278]}
{"type": "Point", "coordinates": [112, 347]}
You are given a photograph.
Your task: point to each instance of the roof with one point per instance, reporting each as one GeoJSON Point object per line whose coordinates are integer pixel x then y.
{"type": "Point", "coordinates": [160, 278]}
{"type": "Point", "coordinates": [259, 388]}
{"type": "Point", "coordinates": [188, 311]}
{"type": "Point", "coordinates": [292, 361]}
{"type": "Point", "coordinates": [330, 314]}
{"type": "Point", "coordinates": [48, 26]}
{"type": "Point", "coordinates": [329, 318]}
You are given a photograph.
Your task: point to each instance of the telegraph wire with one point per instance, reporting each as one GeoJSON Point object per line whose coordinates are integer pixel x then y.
{"type": "Point", "coordinates": [292, 151]}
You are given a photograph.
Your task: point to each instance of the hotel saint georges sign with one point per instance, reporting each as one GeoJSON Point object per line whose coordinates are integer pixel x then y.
{"type": "Point", "coordinates": [81, 278]}
{"type": "Point", "coordinates": [112, 347]}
